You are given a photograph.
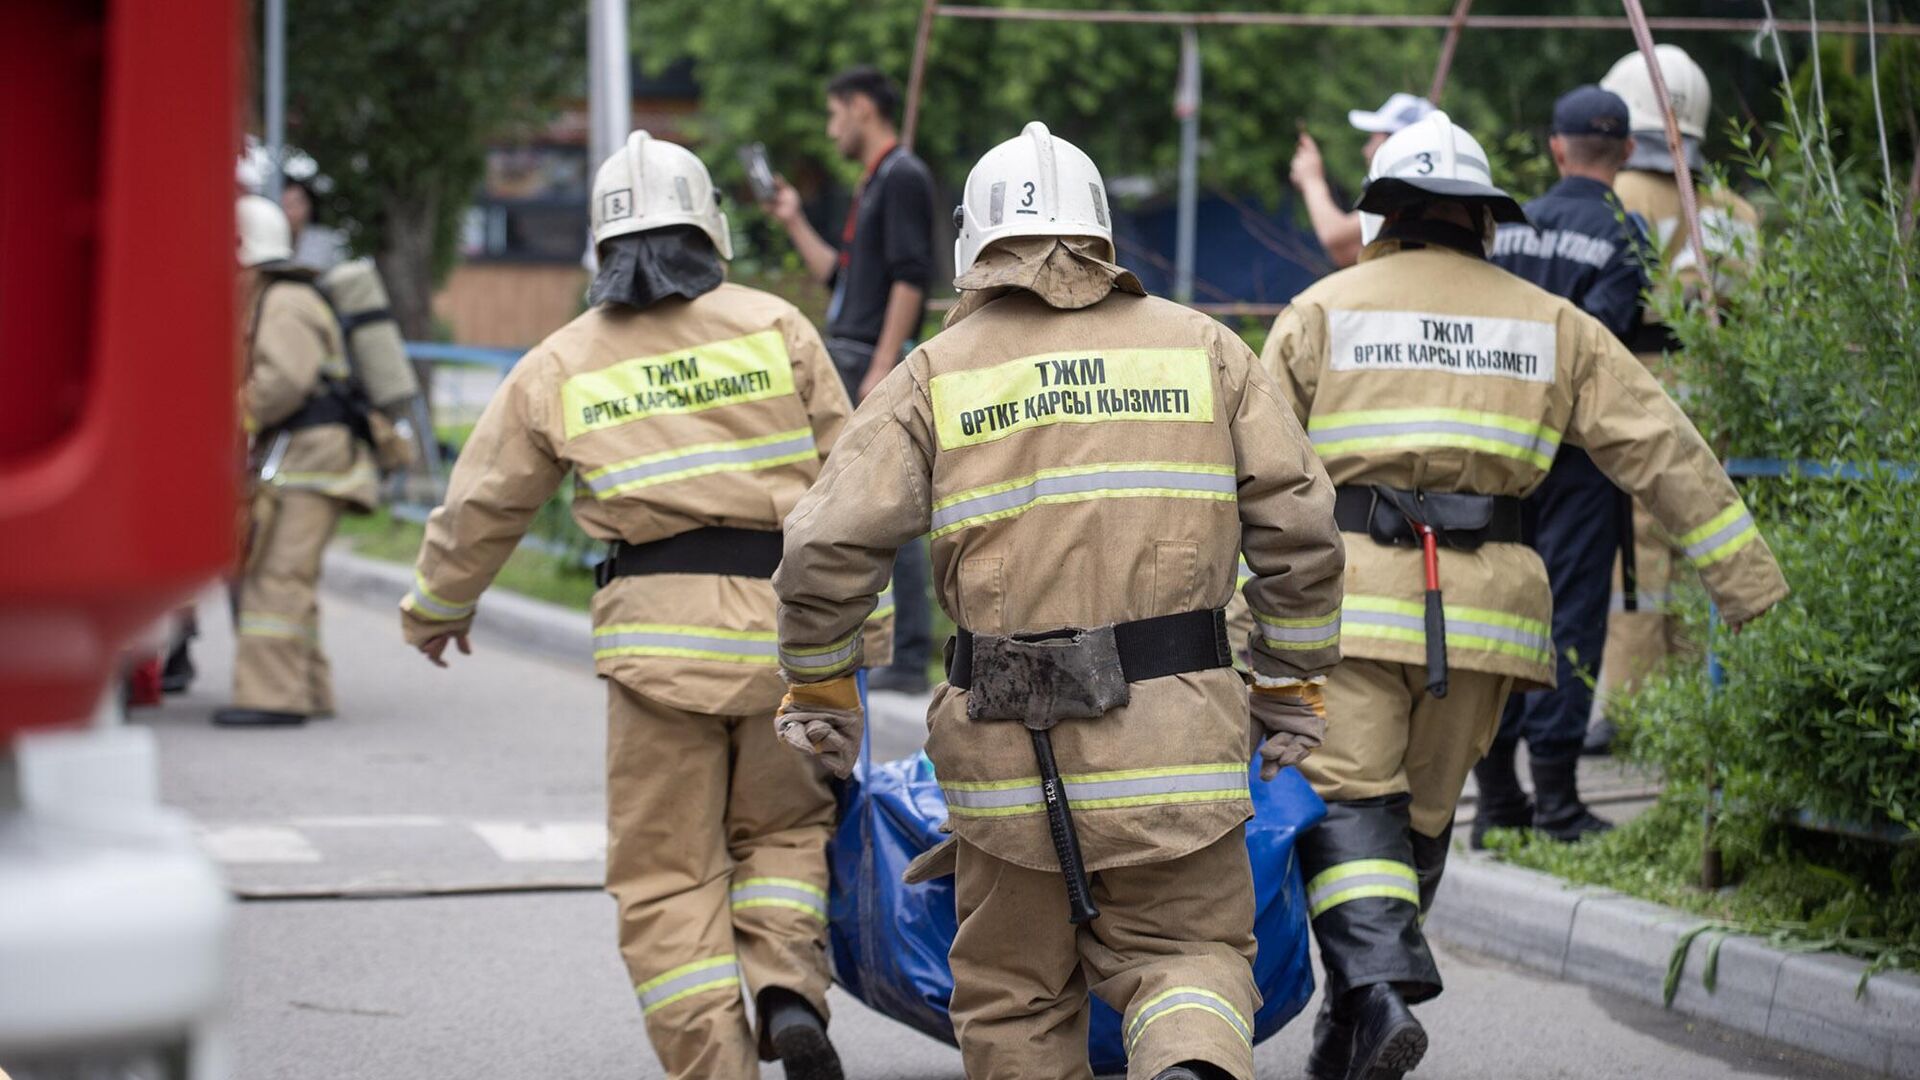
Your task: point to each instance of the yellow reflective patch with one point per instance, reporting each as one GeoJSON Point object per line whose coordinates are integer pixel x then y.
{"type": "Point", "coordinates": [980, 406]}
{"type": "Point", "coordinates": [751, 368]}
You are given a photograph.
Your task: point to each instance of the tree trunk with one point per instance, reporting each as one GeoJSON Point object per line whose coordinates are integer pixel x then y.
{"type": "Point", "coordinates": [406, 262]}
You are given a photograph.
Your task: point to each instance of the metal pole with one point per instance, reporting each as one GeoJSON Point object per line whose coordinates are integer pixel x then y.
{"type": "Point", "coordinates": [1682, 175]}
{"type": "Point", "coordinates": [917, 75]}
{"type": "Point", "coordinates": [1186, 106]}
{"type": "Point", "coordinates": [1455, 24]}
{"type": "Point", "coordinates": [275, 63]}
{"type": "Point", "coordinates": [1432, 22]}
{"type": "Point", "coordinates": [610, 90]}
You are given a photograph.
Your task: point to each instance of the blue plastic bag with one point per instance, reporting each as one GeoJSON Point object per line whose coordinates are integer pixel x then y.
{"type": "Point", "coordinates": [889, 940]}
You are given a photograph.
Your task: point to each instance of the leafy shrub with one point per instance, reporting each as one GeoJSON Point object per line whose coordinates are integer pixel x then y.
{"type": "Point", "coordinates": [1817, 359]}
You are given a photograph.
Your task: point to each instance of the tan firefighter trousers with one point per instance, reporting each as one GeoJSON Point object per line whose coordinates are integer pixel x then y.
{"type": "Point", "coordinates": [1172, 951]}
{"type": "Point", "coordinates": [1386, 735]}
{"type": "Point", "coordinates": [716, 856]}
{"type": "Point", "coordinates": [278, 664]}
{"type": "Point", "coordinates": [1639, 641]}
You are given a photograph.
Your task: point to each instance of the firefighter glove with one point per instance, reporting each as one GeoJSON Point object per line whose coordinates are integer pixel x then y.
{"type": "Point", "coordinates": [1293, 718]}
{"type": "Point", "coordinates": [823, 719]}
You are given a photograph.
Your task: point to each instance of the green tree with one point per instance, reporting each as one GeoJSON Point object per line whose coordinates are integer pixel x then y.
{"type": "Point", "coordinates": [762, 65]}
{"type": "Point", "coordinates": [397, 101]}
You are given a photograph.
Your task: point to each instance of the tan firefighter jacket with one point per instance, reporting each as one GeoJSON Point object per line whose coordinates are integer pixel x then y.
{"type": "Point", "coordinates": [1078, 468]}
{"type": "Point", "coordinates": [295, 341]}
{"type": "Point", "coordinates": [1728, 224]}
{"type": "Point", "coordinates": [1432, 369]}
{"type": "Point", "coordinates": [690, 413]}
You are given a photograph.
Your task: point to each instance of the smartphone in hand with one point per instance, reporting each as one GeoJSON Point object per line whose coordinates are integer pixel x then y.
{"type": "Point", "coordinates": [753, 158]}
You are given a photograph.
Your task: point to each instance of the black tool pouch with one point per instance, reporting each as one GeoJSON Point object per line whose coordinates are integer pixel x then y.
{"type": "Point", "coordinates": [1042, 679]}
{"type": "Point", "coordinates": [1460, 520]}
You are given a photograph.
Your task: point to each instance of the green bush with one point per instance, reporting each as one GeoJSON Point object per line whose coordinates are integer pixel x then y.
{"type": "Point", "coordinates": [1815, 359]}
{"type": "Point", "coordinates": [1820, 709]}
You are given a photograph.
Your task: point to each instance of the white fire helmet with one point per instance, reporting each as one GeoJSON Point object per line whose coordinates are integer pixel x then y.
{"type": "Point", "coordinates": [265, 236]}
{"type": "Point", "coordinates": [652, 184]}
{"type": "Point", "coordinates": [1686, 85]}
{"type": "Point", "coordinates": [1033, 185]}
{"type": "Point", "coordinates": [1431, 159]}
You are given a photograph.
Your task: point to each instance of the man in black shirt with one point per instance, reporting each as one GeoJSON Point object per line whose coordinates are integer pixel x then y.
{"type": "Point", "coordinates": [878, 274]}
{"type": "Point", "coordinates": [1582, 246]}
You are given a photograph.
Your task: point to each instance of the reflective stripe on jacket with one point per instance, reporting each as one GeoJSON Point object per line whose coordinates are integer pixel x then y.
{"type": "Point", "coordinates": [704, 412]}
{"type": "Point", "coordinates": [1429, 368]}
{"type": "Point", "coordinates": [1078, 468]}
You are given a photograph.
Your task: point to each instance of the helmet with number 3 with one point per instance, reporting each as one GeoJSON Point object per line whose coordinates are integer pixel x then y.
{"type": "Point", "coordinates": [651, 184]}
{"type": "Point", "coordinates": [1430, 160]}
{"type": "Point", "coordinates": [1034, 185]}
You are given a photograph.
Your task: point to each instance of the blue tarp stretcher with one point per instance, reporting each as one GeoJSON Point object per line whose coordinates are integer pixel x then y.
{"type": "Point", "coordinates": [889, 940]}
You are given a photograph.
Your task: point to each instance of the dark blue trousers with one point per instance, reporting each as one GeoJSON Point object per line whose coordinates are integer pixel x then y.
{"type": "Point", "coordinates": [912, 610]}
{"type": "Point", "coordinates": [1577, 534]}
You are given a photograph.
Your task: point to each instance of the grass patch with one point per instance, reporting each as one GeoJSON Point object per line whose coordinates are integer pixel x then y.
{"type": "Point", "coordinates": [542, 576]}
{"type": "Point", "coordinates": [1804, 892]}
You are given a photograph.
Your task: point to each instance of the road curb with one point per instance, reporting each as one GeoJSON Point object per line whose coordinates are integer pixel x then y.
{"type": "Point", "coordinates": [534, 625]}
{"type": "Point", "coordinates": [1604, 939]}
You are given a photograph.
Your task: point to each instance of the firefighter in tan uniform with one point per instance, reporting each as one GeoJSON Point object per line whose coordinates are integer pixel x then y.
{"type": "Point", "coordinates": [693, 415]}
{"type": "Point", "coordinates": [1437, 388]}
{"type": "Point", "coordinates": [1640, 638]}
{"type": "Point", "coordinates": [1088, 461]}
{"type": "Point", "coordinates": [307, 466]}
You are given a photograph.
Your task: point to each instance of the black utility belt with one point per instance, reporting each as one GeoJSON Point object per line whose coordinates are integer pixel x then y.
{"type": "Point", "coordinates": [1148, 648]}
{"type": "Point", "coordinates": [715, 549]}
{"type": "Point", "coordinates": [322, 408]}
{"type": "Point", "coordinates": [1460, 520]}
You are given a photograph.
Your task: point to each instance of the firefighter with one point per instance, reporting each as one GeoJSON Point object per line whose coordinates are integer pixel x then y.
{"type": "Point", "coordinates": [693, 414]}
{"type": "Point", "coordinates": [1638, 640]}
{"type": "Point", "coordinates": [307, 467]}
{"type": "Point", "coordinates": [1437, 389]}
{"type": "Point", "coordinates": [1088, 461]}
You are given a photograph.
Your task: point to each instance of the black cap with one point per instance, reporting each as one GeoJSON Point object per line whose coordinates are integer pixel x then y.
{"type": "Point", "coordinates": [1589, 110]}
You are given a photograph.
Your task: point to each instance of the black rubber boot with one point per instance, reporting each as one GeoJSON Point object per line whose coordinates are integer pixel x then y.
{"type": "Point", "coordinates": [1364, 893]}
{"type": "Point", "coordinates": [1501, 804]}
{"type": "Point", "coordinates": [1558, 811]}
{"type": "Point", "coordinates": [1599, 739]}
{"type": "Point", "coordinates": [257, 718]}
{"type": "Point", "coordinates": [1430, 861]}
{"type": "Point", "coordinates": [177, 676]}
{"type": "Point", "coordinates": [1332, 1042]}
{"type": "Point", "coordinates": [794, 1035]}
{"type": "Point", "coordinates": [1387, 1041]}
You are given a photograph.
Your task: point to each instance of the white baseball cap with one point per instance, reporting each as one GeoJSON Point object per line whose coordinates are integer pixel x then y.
{"type": "Point", "coordinates": [1399, 111]}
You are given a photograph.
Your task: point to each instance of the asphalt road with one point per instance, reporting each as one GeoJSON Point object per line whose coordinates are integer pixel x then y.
{"type": "Point", "coordinates": [421, 874]}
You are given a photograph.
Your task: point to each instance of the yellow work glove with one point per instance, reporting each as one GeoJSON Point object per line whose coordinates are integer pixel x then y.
{"type": "Point", "coordinates": [1293, 719]}
{"type": "Point", "coordinates": [823, 719]}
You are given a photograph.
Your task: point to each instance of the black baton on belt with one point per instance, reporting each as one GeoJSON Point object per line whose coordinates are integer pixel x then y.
{"type": "Point", "coordinates": [1066, 842]}
{"type": "Point", "coordinates": [1436, 620]}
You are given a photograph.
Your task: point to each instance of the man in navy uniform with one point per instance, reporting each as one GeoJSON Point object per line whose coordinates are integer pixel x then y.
{"type": "Point", "coordinates": [1583, 246]}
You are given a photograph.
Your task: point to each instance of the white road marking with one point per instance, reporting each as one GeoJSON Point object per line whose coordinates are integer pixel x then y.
{"type": "Point", "coordinates": [553, 841]}
{"type": "Point", "coordinates": [371, 821]}
{"type": "Point", "coordinates": [256, 844]}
